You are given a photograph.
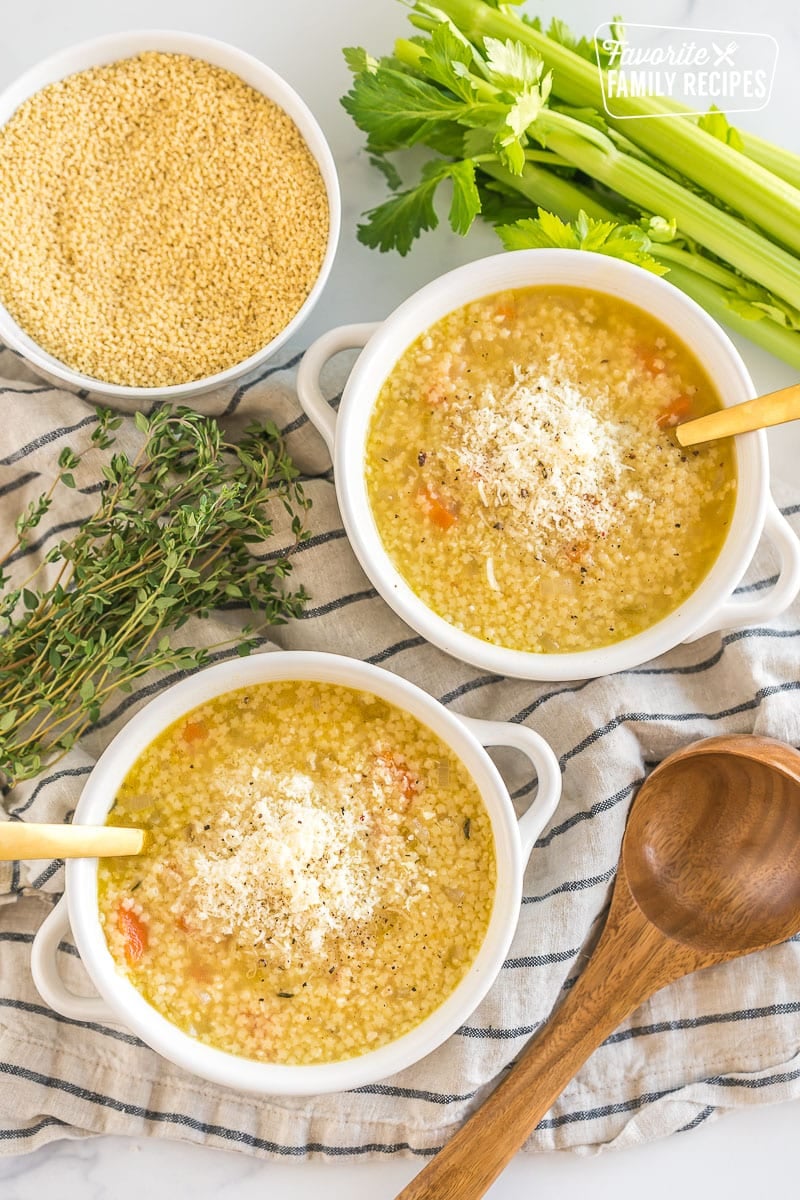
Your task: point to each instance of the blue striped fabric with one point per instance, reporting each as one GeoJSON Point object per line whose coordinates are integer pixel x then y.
{"type": "Point", "coordinates": [725, 1037]}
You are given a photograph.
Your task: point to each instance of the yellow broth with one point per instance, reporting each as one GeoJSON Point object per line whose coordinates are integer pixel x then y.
{"type": "Point", "coordinates": [524, 475]}
{"type": "Point", "coordinates": [318, 878]}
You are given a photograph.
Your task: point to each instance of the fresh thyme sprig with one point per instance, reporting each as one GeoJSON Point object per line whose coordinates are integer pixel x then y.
{"type": "Point", "coordinates": [172, 538]}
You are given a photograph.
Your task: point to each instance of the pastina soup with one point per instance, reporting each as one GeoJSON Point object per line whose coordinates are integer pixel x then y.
{"type": "Point", "coordinates": [524, 477]}
{"type": "Point", "coordinates": [319, 875]}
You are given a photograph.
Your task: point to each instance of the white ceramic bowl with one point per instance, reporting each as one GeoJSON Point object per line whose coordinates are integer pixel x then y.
{"type": "Point", "coordinates": [709, 607]}
{"type": "Point", "coordinates": [108, 49]}
{"type": "Point", "coordinates": [120, 1003]}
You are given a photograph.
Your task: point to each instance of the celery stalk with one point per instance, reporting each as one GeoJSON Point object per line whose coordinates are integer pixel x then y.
{"type": "Point", "coordinates": [478, 113]}
{"type": "Point", "coordinates": [720, 232]}
{"type": "Point", "coordinates": [546, 190]}
{"type": "Point", "coordinates": [707, 282]}
{"type": "Point", "coordinates": [742, 183]}
{"type": "Point", "coordinates": [592, 152]}
{"type": "Point", "coordinates": [781, 162]}
{"type": "Point", "coordinates": [771, 336]}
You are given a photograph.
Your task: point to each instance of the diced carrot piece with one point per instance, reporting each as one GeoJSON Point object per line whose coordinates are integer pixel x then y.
{"type": "Point", "coordinates": [134, 931]}
{"type": "Point", "coordinates": [442, 515]}
{"type": "Point", "coordinates": [506, 311]}
{"type": "Point", "coordinates": [674, 413]}
{"type": "Point", "coordinates": [194, 731]}
{"type": "Point", "coordinates": [401, 774]}
{"type": "Point", "coordinates": [652, 359]}
{"type": "Point", "coordinates": [200, 970]}
{"type": "Point", "coordinates": [576, 552]}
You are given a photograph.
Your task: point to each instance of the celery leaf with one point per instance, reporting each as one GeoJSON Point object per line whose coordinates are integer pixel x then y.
{"type": "Point", "coordinates": [511, 65]}
{"type": "Point", "coordinates": [447, 61]}
{"type": "Point", "coordinates": [397, 110]}
{"type": "Point", "coordinates": [524, 112]}
{"type": "Point", "coordinates": [628, 242]}
{"type": "Point", "coordinates": [387, 169]}
{"type": "Point", "coordinates": [359, 60]}
{"type": "Point", "coordinates": [466, 203]}
{"type": "Point", "coordinates": [716, 123]}
{"type": "Point", "coordinates": [395, 224]}
{"type": "Point", "coordinates": [559, 31]}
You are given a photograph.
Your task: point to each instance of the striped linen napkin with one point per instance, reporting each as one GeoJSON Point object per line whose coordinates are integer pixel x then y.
{"type": "Point", "coordinates": [726, 1037]}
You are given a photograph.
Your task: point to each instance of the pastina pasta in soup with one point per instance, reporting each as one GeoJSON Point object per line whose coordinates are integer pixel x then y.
{"type": "Point", "coordinates": [318, 878]}
{"type": "Point", "coordinates": [524, 478]}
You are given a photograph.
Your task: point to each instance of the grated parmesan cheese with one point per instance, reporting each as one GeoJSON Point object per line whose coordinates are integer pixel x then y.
{"type": "Point", "coordinates": [288, 865]}
{"type": "Point", "coordinates": [540, 451]}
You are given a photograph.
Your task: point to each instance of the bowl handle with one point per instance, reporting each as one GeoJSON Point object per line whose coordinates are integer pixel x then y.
{"type": "Point", "coordinates": [46, 976]}
{"type": "Point", "coordinates": [313, 402]}
{"type": "Point", "coordinates": [737, 612]}
{"type": "Point", "coordinates": [548, 772]}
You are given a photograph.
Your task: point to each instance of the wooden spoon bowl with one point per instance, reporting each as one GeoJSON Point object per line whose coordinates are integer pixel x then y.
{"type": "Point", "coordinates": [727, 808]}
{"type": "Point", "coordinates": [709, 871]}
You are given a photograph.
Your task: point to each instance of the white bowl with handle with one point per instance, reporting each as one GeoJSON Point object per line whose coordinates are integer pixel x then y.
{"type": "Point", "coordinates": [710, 607]}
{"type": "Point", "coordinates": [111, 48]}
{"type": "Point", "coordinates": [118, 1001]}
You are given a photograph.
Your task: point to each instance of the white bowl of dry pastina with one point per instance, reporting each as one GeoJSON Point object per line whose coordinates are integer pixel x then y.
{"type": "Point", "coordinates": [508, 472]}
{"type": "Point", "coordinates": [330, 882]}
{"type": "Point", "coordinates": [169, 213]}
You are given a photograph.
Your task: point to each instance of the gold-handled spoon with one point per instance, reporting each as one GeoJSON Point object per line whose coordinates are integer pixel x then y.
{"type": "Point", "coordinates": [772, 409]}
{"type": "Point", "coordinates": [709, 870]}
{"type": "Point", "coordinates": [21, 839]}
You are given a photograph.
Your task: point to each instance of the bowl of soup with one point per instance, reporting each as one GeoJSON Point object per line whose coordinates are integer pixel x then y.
{"type": "Point", "coordinates": [509, 476]}
{"type": "Point", "coordinates": [330, 882]}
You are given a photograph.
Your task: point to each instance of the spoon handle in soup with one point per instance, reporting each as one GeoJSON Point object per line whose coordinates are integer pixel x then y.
{"type": "Point", "coordinates": [23, 839]}
{"type": "Point", "coordinates": [772, 409]}
{"type": "Point", "coordinates": [631, 961]}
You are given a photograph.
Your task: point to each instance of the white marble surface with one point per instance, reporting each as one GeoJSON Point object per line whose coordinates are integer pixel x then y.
{"type": "Point", "coordinates": [301, 40]}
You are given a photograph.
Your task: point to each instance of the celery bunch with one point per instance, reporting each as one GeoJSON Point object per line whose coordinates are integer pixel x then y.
{"type": "Point", "coordinates": [514, 118]}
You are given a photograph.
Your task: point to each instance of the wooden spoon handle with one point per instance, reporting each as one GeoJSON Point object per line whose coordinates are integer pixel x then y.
{"type": "Point", "coordinates": [773, 409]}
{"type": "Point", "coordinates": [631, 961]}
{"type": "Point", "coordinates": [22, 839]}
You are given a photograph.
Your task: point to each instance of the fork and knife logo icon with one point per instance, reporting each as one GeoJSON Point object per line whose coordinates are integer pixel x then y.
{"type": "Point", "coordinates": [724, 56]}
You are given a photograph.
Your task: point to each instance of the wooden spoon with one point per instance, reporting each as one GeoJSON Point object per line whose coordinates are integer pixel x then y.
{"type": "Point", "coordinates": [21, 839]}
{"type": "Point", "coordinates": [709, 870]}
{"type": "Point", "coordinates": [773, 409]}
